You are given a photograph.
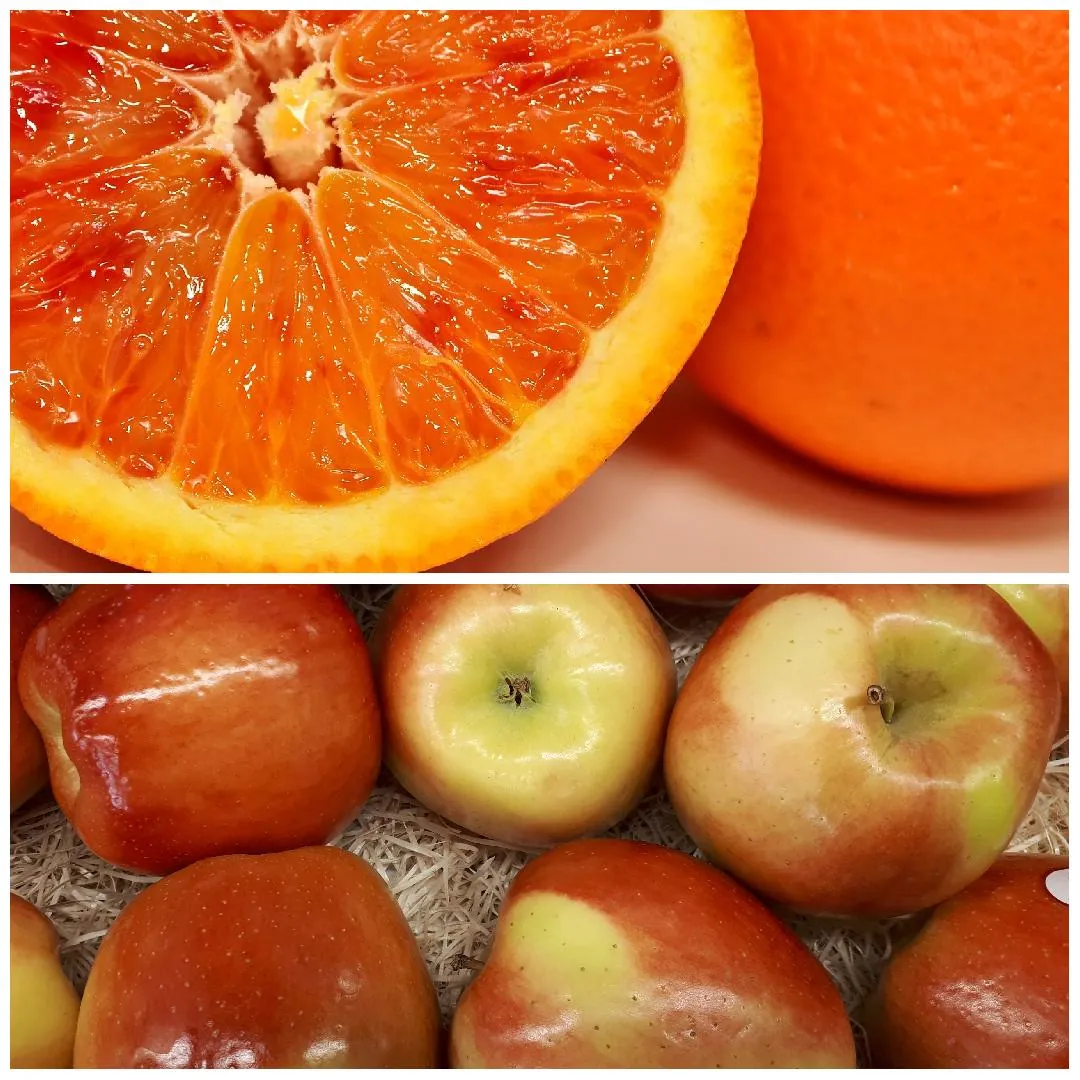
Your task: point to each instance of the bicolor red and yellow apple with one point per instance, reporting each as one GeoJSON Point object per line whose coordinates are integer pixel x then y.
{"type": "Point", "coordinates": [618, 954]}
{"type": "Point", "coordinates": [862, 749]}
{"type": "Point", "coordinates": [985, 983]}
{"type": "Point", "coordinates": [44, 1004]}
{"type": "Point", "coordinates": [29, 765]}
{"type": "Point", "coordinates": [295, 959]}
{"type": "Point", "coordinates": [1045, 608]}
{"type": "Point", "coordinates": [531, 714]}
{"type": "Point", "coordinates": [183, 721]}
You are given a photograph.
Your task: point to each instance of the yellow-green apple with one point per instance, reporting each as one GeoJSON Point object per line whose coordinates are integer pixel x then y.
{"type": "Point", "coordinates": [44, 1004]}
{"type": "Point", "coordinates": [29, 766]}
{"type": "Point", "coordinates": [297, 959]}
{"type": "Point", "coordinates": [985, 983]}
{"type": "Point", "coordinates": [531, 714]}
{"type": "Point", "coordinates": [1045, 608]}
{"type": "Point", "coordinates": [183, 721]}
{"type": "Point", "coordinates": [614, 953]}
{"type": "Point", "coordinates": [862, 750]}
{"type": "Point", "coordinates": [703, 595]}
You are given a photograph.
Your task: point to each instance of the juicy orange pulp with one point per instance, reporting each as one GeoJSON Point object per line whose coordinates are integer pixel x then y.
{"type": "Point", "coordinates": [494, 197]}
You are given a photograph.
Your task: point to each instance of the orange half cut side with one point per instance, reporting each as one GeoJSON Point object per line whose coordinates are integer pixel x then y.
{"type": "Point", "coordinates": [356, 291]}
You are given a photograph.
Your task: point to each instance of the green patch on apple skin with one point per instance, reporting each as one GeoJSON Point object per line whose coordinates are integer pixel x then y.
{"type": "Point", "coordinates": [989, 813]}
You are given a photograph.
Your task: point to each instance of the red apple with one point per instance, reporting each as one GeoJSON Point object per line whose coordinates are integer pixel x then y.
{"type": "Point", "coordinates": [618, 954]}
{"type": "Point", "coordinates": [1045, 608]}
{"type": "Point", "coordinates": [29, 766]}
{"type": "Point", "coordinates": [297, 959]}
{"type": "Point", "coordinates": [528, 713]}
{"type": "Point", "coordinates": [703, 595]}
{"type": "Point", "coordinates": [862, 749]}
{"type": "Point", "coordinates": [183, 721]}
{"type": "Point", "coordinates": [985, 983]}
{"type": "Point", "coordinates": [44, 1005]}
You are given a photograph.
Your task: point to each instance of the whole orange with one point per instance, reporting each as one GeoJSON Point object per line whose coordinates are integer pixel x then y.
{"type": "Point", "coordinates": [900, 307]}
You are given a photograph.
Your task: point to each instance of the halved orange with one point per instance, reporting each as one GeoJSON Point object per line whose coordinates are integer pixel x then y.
{"type": "Point", "coordinates": [365, 291]}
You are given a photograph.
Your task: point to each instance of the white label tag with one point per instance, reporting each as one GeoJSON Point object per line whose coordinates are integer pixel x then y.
{"type": "Point", "coordinates": [1057, 885]}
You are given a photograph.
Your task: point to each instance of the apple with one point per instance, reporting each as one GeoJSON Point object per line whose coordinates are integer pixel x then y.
{"type": "Point", "coordinates": [985, 983]}
{"type": "Point", "coordinates": [1045, 608]}
{"type": "Point", "coordinates": [295, 959]}
{"type": "Point", "coordinates": [618, 954]}
{"type": "Point", "coordinates": [863, 750]}
{"type": "Point", "coordinates": [29, 766]}
{"type": "Point", "coordinates": [704, 595]}
{"type": "Point", "coordinates": [44, 1004]}
{"type": "Point", "coordinates": [183, 721]}
{"type": "Point", "coordinates": [530, 714]}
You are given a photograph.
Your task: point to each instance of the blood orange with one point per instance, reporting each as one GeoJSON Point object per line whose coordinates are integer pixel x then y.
{"type": "Point", "coordinates": [325, 290]}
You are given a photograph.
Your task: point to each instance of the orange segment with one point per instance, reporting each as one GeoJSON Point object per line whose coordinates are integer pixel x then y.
{"type": "Point", "coordinates": [458, 352]}
{"type": "Point", "coordinates": [397, 48]}
{"type": "Point", "coordinates": [556, 168]}
{"type": "Point", "coordinates": [110, 281]}
{"type": "Point", "coordinates": [71, 110]}
{"type": "Point", "coordinates": [266, 419]}
{"type": "Point", "coordinates": [188, 41]}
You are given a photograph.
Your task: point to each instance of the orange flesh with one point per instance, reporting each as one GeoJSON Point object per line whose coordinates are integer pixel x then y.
{"type": "Point", "coordinates": [499, 192]}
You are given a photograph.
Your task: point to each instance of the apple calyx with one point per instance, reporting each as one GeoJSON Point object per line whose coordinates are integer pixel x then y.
{"type": "Point", "coordinates": [879, 696]}
{"type": "Point", "coordinates": [516, 689]}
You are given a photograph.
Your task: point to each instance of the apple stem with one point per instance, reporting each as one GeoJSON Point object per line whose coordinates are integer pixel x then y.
{"type": "Point", "coordinates": [879, 696]}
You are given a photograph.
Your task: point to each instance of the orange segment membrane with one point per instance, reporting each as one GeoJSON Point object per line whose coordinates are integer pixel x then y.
{"type": "Point", "coordinates": [555, 168]}
{"type": "Point", "coordinates": [397, 48]}
{"type": "Point", "coordinates": [71, 111]}
{"type": "Point", "coordinates": [256, 24]}
{"type": "Point", "coordinates": [188, 41]}
{"type": "Point", "coordinates": [110, 283]}
{"type": "Point", "coordinates": [458, 353]}
{"type": "Point", "coordinates": [278, 408]}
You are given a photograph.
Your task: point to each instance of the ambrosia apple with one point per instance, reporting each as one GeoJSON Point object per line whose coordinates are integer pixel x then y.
{"type": "Point", "coordinates": [702, 595]}
{"type": "Point", "coordinates": [296, 959]}
{"type": "Point", "coordinates": [612, 953]}
{"type": "Point", "coordinates": [862, 749]}
{"type": "Point", "coordinates": [44, 1005]}
{"type": "Point", "coordinates": [528, 713]}
{"type": "Point", "coordinates": [190, 720]}
{"type": "Point", "coordinates": [1045, 608]}
{"type": "Point", "coordinates": [29, 765]}
{"type": "Point", "coordinates": [985, 983]}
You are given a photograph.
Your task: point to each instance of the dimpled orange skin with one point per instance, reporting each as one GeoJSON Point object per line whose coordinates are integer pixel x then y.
{"type": "Point", "coordinates": [29, 765]}
{"type": "Point", "coordinates": [295, 959]}
{"type": "Point", "coordinates": [985, 984]}
{"type": "Point", "coordinates": [665, 963]}
{"type": "Point", "coordinates": [184, 721]}
{"type": "Point", "coordinates": [899, 309]}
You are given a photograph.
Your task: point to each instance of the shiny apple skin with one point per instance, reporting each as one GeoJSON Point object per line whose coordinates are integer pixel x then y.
{"type": "Point", "coordinates": [574, 763]}
{"type": "Point", "coordinates": [44, 1004]}
{"type": "Point", "coordinates": [29, 765]}
{"type": "Point", "coordinates": [296, 959]}
{"type": "Point", "coordinates": [697, 595]}
{"type": "Point", "coordinates": [614, 953]}
{"type": "Point", "coordinates": [985, 983]}
{"type": "Point", "coordinates": [184, 721]}
{"type": "Point", "coordinates": [784, 773]}
{"type": "Point", "coordinates": [1045, 608]}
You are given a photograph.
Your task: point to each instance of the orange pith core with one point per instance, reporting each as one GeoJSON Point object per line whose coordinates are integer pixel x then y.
{"type": "Point", "coordinates": [187, 305]}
